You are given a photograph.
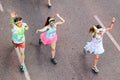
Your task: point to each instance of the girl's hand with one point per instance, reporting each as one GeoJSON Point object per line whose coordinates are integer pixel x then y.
{"type": "Point", "coordinates": [58, 14]}
{"type": "Point", "coordinates": [37, 31]}
{"type": "Point", "coordinates": [13, 14]}
{"type": "Point", "coordinates": [111, 24]}
{"type": "Point", "coordinates": [26, 28]}
{"type": "Point", "coordinates": [113, 19]}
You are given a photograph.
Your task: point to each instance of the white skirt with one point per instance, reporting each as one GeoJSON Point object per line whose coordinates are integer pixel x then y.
{"type": "Point", "coordinates": [94, 47]}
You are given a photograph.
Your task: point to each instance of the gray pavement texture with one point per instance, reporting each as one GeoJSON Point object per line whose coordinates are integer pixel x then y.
{"type": "Point", "coordinates": [72, 36]}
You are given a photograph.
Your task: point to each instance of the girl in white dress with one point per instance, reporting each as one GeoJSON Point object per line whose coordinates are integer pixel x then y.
{"type": "Point", "coordinates": [96, 44]}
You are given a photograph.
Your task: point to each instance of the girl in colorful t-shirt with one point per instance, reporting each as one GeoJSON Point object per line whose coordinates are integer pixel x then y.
{"type": "Point", "coordinates": [18, 36]}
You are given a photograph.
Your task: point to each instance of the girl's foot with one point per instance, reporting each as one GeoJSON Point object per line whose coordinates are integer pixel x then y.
{"type": "Point", "coordinates": [40, 42]}
{"type": "Point", "coordinates": [54, 61]}
{"type": "Point", "coordinates": [23, 68]}
{"type": "Point", "coordinates": [85, 51]}
{"type": "Point", "coordinates": [94, 68]}
{"type": "Point", "coordinates": [49, 5]}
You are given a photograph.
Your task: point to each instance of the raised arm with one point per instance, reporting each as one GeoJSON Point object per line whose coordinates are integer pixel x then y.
{"type": "Point", "coordinates": [59, 22]}
{"type": "Point", "coordinates": [111, 24]}
{"type": "Point", "coordinates": [42, 30]}
{"type": "Point", "coordinates": [12, 15]}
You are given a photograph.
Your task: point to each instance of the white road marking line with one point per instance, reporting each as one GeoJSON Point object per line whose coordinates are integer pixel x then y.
{"type": "Point", "coordinates": [1, 8]}
{"type": "Point", "coordinates": [27, 76]}
{"type": "Point", "coordinates": [108, 33]}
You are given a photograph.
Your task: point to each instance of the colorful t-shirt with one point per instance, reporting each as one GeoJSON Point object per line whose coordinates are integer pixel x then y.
{"type": "Point", "coordinates": [18, 32]}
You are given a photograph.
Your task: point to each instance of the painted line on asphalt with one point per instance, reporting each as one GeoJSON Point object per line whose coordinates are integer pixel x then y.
{"type": "Point", "coordinates": [27, 76]}
{"type": "Point", "coordinates": [1, 8]}
{"type": "Point", "coordinates": [108, 33]}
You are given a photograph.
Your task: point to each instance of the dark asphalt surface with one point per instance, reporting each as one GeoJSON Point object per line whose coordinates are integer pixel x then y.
{"type": "Point", "coordinates": [72, 36]}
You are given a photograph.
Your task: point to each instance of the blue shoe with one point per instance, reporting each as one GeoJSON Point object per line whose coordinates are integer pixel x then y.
{"type": "Point", "coordinates": [23, 68]}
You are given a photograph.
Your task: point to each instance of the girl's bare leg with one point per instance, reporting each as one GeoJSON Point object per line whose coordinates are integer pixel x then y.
{"type": "Point", "coordinates": [96, 57]}
{"type": "Point", "coordinates": [53, 60]}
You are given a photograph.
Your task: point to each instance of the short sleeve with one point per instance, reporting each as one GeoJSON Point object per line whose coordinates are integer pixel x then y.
{"type": "Point", "coordinates": [104, 30]}
{"type": "Point", "coordinates": [24, 25]}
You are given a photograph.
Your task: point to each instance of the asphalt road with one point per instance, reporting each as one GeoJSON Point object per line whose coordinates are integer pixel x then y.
{"type": "Point", "coordinates": [72, 36]}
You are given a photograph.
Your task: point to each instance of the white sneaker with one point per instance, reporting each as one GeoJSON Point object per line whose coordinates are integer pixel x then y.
{"type": "Point", "coordinates": [95, 69]}
{"type": "Point", "coordinates": [49, 5]}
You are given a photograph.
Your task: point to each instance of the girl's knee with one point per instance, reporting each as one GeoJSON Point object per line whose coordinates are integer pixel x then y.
{"type": "Point", "coordinates": [53, 49]}
{"type": "Point", "coordinates": [96, 56]}
{"type": "Point", "coordinates": [22, 53]}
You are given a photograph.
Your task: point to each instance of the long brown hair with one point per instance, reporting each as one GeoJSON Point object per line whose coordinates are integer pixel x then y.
{"type": "Point", "coordinates": [47, 21]}
{"type": "Point", "coordinates": [91, 30]}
